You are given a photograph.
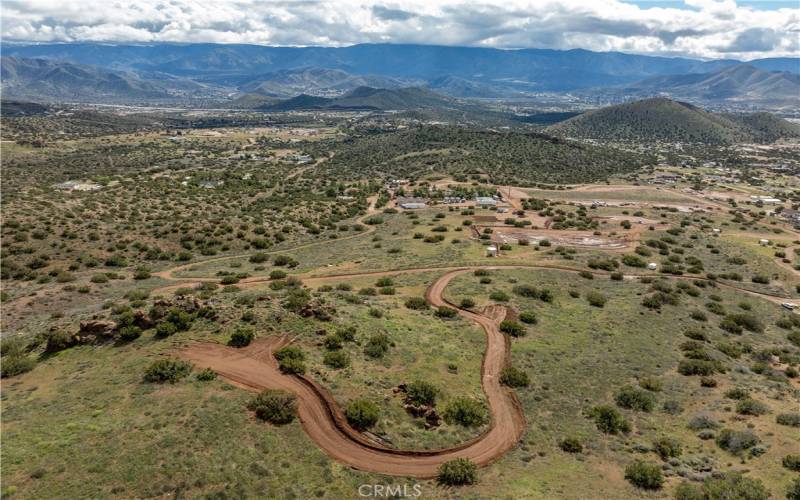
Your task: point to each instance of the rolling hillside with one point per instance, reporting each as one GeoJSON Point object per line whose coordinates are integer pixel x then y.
{"type": "Point", "coordinates": [660, 119]}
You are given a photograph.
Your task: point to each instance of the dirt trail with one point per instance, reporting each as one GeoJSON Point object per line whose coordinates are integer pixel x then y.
{"type": "Point", "coordinates": [254, 368]}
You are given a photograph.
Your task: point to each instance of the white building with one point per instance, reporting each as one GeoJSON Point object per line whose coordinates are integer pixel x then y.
{"type": "Point", "coordinates": [485, 201]}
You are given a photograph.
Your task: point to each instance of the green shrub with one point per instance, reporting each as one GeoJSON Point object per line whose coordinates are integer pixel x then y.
{"type": "Point", "coordinates": [571, 445]}
{"type": "Point", "coordinates": [792, 462]}
{"type": "Point", "coordinates": [336, 359]}
{"type": "Point", "coordinates": [206, 375]}
{"type": "Point", "coordinates": [275, 406]}
{"type": "Point", "coordinates": [528, 318]}
{"type": "Point", "coordinates": [609, 420]}
{"type": "Point", "coordinates": [788, 419]}
{"type": "Point", "coordinates": [241, 337]}
{"type": "Point", "coordinates": [514, 377]}
{"type": "Point", "coordinates": [499, 296]}
{"type": "Point", "coordinates": [332, 342]}
{"type": "Point", "coordinates": [291, 359]}
{"type": "Point", "coordinates": [751, 407]}
{"type": "Point", "coordinates": [667, 448]}
{"type": "Point", "coordinates": [698, 367]}
{"type": "Point", "coordinates": [635, 399]}
{"type": "Point", "coordinates": [167, 370]}
{"type": "Point", "coordinates": [733, 485]}
{"type": "Point", "coordinates": [737, 393]}
{"type": "Point", "coordinates": [417, 303]}
{"type": "Point", "coordinates": [792, 492]}
{"type": "Point", "coordinates": [651, 384]}
{"type": "Point", "coordinates": [466, 412]}
{"type": "Point", "coordinates": [596, 299]}
{"type": "Point", "coordinates": [277, 274]}
{"type": "Point", "coordinates": [445, 312]}
{"type": "Point", "coordinates": [362, 414]}
{"type": "Point", "coordinates": [421, 392]}
{"type": "Point", "coordinates": [377, 346]}
{"type": "Point", "coordinates": [736, 441]}
{"type": "Point", "coordinates": [165, 329]}
{"type": "Point", "coordinates": [457, 472]}
{"type": "Point", "coordinates": [467, 303]}
{"type": "Point", "coordinates": [16, 364]}
{"type": "Point", "coordinates": [512, 328]}
{"type": "Point", "coordinates": [129, 333]}
{"type": "Point", "coordinates": [644, 475]}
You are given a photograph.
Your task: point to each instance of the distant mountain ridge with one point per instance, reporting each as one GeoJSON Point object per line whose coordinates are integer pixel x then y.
{"type": "Point", "coordinates": [369, 99]}
{"type": "Point", "coordinates": [542, 69]}
{"type": "Point", "coordinates": [741, 82]}
{"type": "Point", "coordinates": [48, 80]}
{"type": "Point", "coordinates": [661, 119]}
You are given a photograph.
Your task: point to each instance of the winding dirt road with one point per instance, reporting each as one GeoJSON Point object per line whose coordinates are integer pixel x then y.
{"type": "Point", "coordinates": [254, 368]}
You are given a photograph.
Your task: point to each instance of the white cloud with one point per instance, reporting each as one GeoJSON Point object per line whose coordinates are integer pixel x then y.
{"type": "Point", "coordinates": [705, 28]}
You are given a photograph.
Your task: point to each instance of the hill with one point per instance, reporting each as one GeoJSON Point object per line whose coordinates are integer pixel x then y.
{"type": "Point", "coordinates": [660, 119]}
{"type": "Point", "coordinates": [369, 99]}
{"type": "Point", "coordinates": [506, 156]}
{"type": "Point", "coordinates": [733, 83]}
{"type": "Point", "coordinates": [48, 80]}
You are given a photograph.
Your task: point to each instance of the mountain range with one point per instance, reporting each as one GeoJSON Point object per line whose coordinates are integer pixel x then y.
{"type": "Point", "coordinates": [468, 72]}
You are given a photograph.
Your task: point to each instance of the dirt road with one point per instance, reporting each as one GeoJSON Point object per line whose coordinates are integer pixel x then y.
{"type": "Point", "coordinates": [254, 368]}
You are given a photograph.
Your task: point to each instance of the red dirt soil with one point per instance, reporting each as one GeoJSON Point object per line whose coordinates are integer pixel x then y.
{"type": "Point", "coordinates": [254, 368]}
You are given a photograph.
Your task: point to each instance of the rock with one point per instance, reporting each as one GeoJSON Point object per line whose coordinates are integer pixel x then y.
{"type": "Point", "coordinates": [101, 327]}
{"type": "Point", "coordinates": [142, 320]}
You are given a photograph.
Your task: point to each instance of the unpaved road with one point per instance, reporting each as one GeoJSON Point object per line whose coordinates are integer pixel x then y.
{"type": "Point", "coordinates": [254, 368]}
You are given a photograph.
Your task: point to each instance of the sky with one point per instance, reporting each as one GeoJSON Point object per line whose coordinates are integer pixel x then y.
{"type": "Point", "coordinates": [709, 29]}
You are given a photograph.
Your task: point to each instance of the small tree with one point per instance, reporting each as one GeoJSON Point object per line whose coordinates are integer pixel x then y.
{"type": "Point", "coordinates": [457, 472]}
{"type": "Point", "coordinates": [275, 406]}
{"type": "Point", "coordinates": [362, 414]}
{"type": "Point", "coordinates": [609, 420]}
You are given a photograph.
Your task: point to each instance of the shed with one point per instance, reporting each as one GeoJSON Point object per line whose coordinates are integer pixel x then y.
{"type": "Point", "coordinates": [491, 251]}
{"type": "Point", "coordinates": [413, 206]}
{"type": "Point", "coordinates": [485, 201]}
{"type": "Point", "coordinates": [652, 266]}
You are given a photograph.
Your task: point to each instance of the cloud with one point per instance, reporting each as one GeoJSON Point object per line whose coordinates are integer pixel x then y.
{"type": "Point", "coordinates": [702, 28]}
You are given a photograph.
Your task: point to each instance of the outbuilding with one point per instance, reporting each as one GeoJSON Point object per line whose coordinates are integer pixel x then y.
{"type": "Point", "coordinates": [652, 266]}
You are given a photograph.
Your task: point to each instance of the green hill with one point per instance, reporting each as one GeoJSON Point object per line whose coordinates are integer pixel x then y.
{"type": "Point", "coordinates": [505, 156]}
{"type": "Point", "coordinates": [660, 119]}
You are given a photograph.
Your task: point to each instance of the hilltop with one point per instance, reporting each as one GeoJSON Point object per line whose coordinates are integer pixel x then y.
{"type": "Point", "coordinates": [661, 119]}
